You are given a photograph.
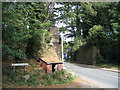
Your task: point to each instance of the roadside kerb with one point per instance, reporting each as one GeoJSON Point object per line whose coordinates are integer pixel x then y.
{"type": "Point", "coordinates": [91, 66]}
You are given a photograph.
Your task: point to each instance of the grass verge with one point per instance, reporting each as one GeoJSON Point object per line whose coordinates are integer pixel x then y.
{"type": "Point", "coordinates": [112, 66]}
{"type": "Point", "coordinates": [37, 77]}
{"type": "Point", "coordinates": [101, 65]}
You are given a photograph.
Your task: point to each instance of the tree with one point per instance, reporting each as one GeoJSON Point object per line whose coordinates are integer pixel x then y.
{"type": "Point", "coordinates": [96, 23]}
{"type": "Point", "coordinates": [24, 29]}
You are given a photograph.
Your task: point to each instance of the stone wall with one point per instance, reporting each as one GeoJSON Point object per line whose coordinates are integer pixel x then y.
{"type": "Point", "coordinates": [54, 34]}
{"type": "Point", "coordinates": [86, 55]}
{"type": "Point", "coordinates": [53, 53]}
{"type": "Point", "coordinates": [55, 41]}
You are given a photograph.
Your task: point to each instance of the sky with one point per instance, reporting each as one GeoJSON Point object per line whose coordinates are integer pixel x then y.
{"type": "Point", "coordinates": [61, 24]}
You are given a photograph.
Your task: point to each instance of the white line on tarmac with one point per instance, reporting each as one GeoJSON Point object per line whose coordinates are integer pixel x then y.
{"type": "Point", "coordinates": [110, 75]}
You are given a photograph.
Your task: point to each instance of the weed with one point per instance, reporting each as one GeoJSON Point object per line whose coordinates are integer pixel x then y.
{"type": "Point", "coordinates": [34, 66]}
{"type": "Point", "coordinates": [71, 77]}
{"type": "Point", "coordinates": [47, 82]}
{"type": "Point", "coordinates": [102, 65]}
{"type": "Point", "coordinates": [32, 82]}
{"type": "Point", "coordinates": [47, 76]}
{"type": "Point", "coordinates": [60, 77]}
{"type": "Point", "coordinates": [36, 75]}
{"type": "Point", "coordinates": [15, 78]}
{"type": "Point", "coordinates": [41, 70]}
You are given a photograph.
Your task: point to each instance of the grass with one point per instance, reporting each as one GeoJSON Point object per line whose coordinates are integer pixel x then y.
{"type": "Point", "coordinates": [38, 77]}
{"type": "Point", "coordinates": [15, 78]}
{"type": "Point", "coordinates": [102, 65]}
{"type": "Point", "coordinates": [61, 77]}
{"type": "Point", "coordinates": [114, 66]}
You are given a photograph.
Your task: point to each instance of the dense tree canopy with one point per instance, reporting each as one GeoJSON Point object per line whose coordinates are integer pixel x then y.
{"type": "Point", "coordinates": [25, 28]}
{"type": "Point", "coordinates": [94, 24]}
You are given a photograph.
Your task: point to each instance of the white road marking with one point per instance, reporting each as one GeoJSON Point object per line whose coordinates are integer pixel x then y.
{"type": "Point", "coordinates": [110, 75]}
{"type": "Point", "coordinates": [101, 76]}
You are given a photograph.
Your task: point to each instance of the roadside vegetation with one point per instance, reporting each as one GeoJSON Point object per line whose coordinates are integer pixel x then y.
{"type": "Point", "coordinates": [93, 24]}
{"type": "Point", "coordinates": [25, 33]}
{"type": "Point", "coordinates": [33, 76]}
{"type": "Point", "coordinates": [25, 29]}
{"type": "Point", "coordinates": [112, 66]}
{"type": "Point", "coordinates": [101, 65]}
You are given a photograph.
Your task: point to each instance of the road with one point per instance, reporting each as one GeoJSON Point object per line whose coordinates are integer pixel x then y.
{"type": "Point", "coordinates": [99, 77]}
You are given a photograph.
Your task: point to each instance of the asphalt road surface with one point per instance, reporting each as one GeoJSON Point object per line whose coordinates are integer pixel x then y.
{"type": "Point", "coordinates": [98, 77]}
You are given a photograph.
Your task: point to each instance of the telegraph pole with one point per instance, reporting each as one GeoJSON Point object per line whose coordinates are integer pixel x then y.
{"type": "Point", "coordinates": [62, 35]}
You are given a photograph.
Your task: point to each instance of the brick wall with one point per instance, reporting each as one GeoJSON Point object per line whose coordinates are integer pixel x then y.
{"type": "Point", "coordinates": [60, 66]}
{"type": "Point", "coordinates": [40, 63]}
{"type": "Point", "coordinates": [48, 67]}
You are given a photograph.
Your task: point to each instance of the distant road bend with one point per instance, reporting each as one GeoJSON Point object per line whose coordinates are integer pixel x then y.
{"type": "Point", "coordinates": [101, 78]}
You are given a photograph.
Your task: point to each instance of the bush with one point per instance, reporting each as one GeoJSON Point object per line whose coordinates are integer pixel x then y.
{"type": "Point", "coordinates": [60, 77]}
{"type": "Point", "coordinates": [15, 78]}
{"type": "Point", "coordinates": [99, 59]}
{"type": "Point", "coordinates": [100, 37]}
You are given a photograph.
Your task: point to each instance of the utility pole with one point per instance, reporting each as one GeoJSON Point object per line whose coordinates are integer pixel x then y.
{"type": "Point", "coordinates": [62, 35]}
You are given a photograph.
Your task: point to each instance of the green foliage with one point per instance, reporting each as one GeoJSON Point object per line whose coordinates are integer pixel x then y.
{"type": "Point", "coordinates": [15, 78]}
{"type": "Point", "coordinates": [78, 42]}
{"type": "Point", "coordinates": [96, 35]}
{"type": "Point", "coordinates": [36, 75]}
{"type": "Point", "coordinates": [97, 29]}
{"type": "Point", "coordinates": [105, 42]}
{"type": "Point", "coordinates": [60, 77]}
{"type": "Point", "coordinates": [97, 23]}
{"type": "Point", "coordinates": [13, 53]}
{"type": "Point", "coordinates": [24, 29]}
{"type": "Point", "coordinates": [99, 59]}
{"type": "Point", "coordinates": [66, 46]}
{"type": "Point", "coordinates": [108, 65]}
